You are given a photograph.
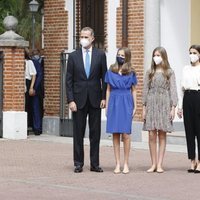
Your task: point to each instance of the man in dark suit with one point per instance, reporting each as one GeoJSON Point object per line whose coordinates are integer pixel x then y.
{"type": "Point", "coordinates": [37, 104]}
{"type": "Point", "coordinates": [86, 93]}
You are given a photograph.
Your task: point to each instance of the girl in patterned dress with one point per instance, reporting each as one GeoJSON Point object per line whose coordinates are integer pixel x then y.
{"type": "Point", "coordinates": [159, 102]}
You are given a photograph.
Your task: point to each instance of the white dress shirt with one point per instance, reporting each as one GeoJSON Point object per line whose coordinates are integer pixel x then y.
{"type": "Point", "coordinates": [84, 54]}
{"type": "Point", "coordinates": [190, 81]}
{"type": "Point", "coordinates": [29, 69]}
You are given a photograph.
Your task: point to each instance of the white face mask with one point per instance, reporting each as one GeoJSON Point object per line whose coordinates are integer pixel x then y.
{"type": "Point", "coordinates": [36, 57]}
{"type": "Point", "coordinates": [84, 42]}
{"type": "Point", "coordinates": [157, 59]}
{"type": "Point", "coordinates": [194, 58]}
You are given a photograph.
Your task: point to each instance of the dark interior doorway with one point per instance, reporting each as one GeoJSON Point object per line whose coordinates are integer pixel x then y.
{"type": "Point", "coordinates": [91, 13]}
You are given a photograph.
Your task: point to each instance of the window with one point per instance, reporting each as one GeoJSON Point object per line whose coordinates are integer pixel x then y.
{"type": "Point", "coordinates": [90, 13]}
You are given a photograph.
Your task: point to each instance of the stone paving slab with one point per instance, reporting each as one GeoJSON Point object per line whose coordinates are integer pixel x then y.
{"type": "Point", "coordinates": [41, 168]}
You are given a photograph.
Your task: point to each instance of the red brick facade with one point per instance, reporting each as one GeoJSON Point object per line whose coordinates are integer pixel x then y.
{"type": "Point", "coordinates": [135, 43]}
{"type": "Point", "coordinates": [106, 24]}
{"type": "Point", "coordinates": [13, 79]}
{"type": "Point", "coordinates": [56, 39]}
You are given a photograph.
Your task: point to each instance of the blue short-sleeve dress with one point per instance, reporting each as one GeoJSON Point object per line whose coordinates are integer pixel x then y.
{"type": "Point", "coordinates": [121, 102]}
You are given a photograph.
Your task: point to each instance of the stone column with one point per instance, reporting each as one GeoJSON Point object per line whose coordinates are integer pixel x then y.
{"type": "Point", "coordinates": [152, 29]}
{"type": "Point", "coordinates": [14, 116]}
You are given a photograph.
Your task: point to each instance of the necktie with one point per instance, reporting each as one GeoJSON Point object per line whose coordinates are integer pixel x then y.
{"type": "Point", "coordinates": [87, 63]}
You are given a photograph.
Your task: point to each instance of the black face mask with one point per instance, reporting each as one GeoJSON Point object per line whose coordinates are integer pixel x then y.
{"type": "Point", "coordinates": [120, 60]}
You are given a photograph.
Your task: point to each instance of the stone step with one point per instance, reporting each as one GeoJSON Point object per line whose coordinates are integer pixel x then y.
{"type": "Point", "coordinates": [177, 137]}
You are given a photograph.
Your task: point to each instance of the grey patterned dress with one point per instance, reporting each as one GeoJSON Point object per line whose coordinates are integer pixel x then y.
{"type": "Point", "coordinates": [158, 97]}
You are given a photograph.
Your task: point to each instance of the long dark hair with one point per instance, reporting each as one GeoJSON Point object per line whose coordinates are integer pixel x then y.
{"type": "Point", "coordinates": [27, 54]}
{"type": "Point", "coordinates": [165, 63]}
{"type": "Point", "coordinates": [126, 68]}
{"type": "Point", "coordinates": [196, 47]}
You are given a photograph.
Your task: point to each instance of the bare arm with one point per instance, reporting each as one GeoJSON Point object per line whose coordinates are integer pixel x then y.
{"type": "Point", "coordinates": [134, 94]}
{"type": "Point", "coordinates": [107, 96]}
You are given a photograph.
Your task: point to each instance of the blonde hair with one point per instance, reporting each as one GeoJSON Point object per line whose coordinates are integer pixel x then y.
{"type": "Point", "coordinates": [165, 63]}
{"type": "Point", "coordinates": [126, 68]}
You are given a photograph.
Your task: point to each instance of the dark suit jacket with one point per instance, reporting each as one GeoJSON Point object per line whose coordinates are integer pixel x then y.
{"type": "Point", "coordinates": [38, 86]}
{"type": "Point", "coordinates": [78, 87]}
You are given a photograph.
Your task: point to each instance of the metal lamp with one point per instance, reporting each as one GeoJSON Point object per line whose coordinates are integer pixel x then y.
{"type": "Point", "coordinates": [33, 7]}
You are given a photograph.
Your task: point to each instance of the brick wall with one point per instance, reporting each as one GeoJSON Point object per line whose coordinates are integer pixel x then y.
{"type": "Point", "coordinates": [105, 24]}
{"type": "Point", "coordinates": [135, 43]}
{"type": "Point", "coordinates": [119, 25]}
{"type": "Point", "coordinates": [13, 79]}
{"type": "Point", "coordinates": [55, 40]}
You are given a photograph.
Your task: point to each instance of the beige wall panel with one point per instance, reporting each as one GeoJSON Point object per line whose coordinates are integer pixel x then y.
{"type": "Point", "coordinates": [195, 21]}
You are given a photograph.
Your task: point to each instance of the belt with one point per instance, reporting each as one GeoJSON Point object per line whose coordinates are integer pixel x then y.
{"type": "Point", "coordinates": [192, 91]}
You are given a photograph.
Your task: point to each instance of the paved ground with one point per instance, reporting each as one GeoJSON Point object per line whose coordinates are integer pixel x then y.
{"type": "Point", "coordinates": [41, 168]}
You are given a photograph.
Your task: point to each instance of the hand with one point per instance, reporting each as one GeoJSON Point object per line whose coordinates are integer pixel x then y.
{"type": "Point", "coordinates": [103, 104]}
{"type": "Point", "coordinates": [172, 114]}
{"type": "Point", "coordinates": [144, 113]}
{"type": "Point", "coordinates": [72, 106]}
{"type": "Point", "coordinates": [180, 113]}
{"type": "Point", "coordinates": [31, 92]}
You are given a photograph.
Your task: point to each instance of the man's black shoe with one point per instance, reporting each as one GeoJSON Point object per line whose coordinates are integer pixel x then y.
{"type": "Point", "coordinates": [78, 169]}
{"type": "Point", "coordinates": [96, 169]}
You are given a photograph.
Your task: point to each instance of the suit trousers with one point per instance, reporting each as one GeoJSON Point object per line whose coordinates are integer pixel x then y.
{"type": "Point", "coordinates": [191, 114]}
{"type": "Point", "coordinates": [79, 126]}
{"type": "Point", "coordinates": [37, 115]}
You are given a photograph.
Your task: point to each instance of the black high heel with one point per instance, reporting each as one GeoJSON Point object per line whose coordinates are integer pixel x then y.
{"type": "Point", "coordinates": [193, 170]}
{"type": "Point", "coordinates": [197, 171]}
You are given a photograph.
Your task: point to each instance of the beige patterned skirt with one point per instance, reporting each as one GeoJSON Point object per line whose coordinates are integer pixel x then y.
{"type": "Point", "coordinates": [158, 110]}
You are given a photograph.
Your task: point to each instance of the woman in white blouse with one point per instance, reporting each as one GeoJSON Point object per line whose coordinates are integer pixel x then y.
{"type": "Point", "coordinates": [189, 106]}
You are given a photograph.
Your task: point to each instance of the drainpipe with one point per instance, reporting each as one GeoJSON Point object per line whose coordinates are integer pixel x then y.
{"type": "Point", "coordinates": [125, 23]}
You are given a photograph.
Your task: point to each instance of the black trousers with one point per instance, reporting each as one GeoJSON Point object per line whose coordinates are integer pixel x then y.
{"type": "Point", "coordinates": [79, 125]}
{"type": "Point", "coordinates": [191, 113]}
{"type": "Point", "coordinates": [28, 104]}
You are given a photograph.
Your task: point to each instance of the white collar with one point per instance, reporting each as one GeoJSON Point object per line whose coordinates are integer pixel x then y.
{"type": "Point", "coordinates": [84, 50]}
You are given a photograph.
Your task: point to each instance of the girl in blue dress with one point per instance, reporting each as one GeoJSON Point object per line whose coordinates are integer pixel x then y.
{"type": "Point", "coordinates": [121, 104]}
